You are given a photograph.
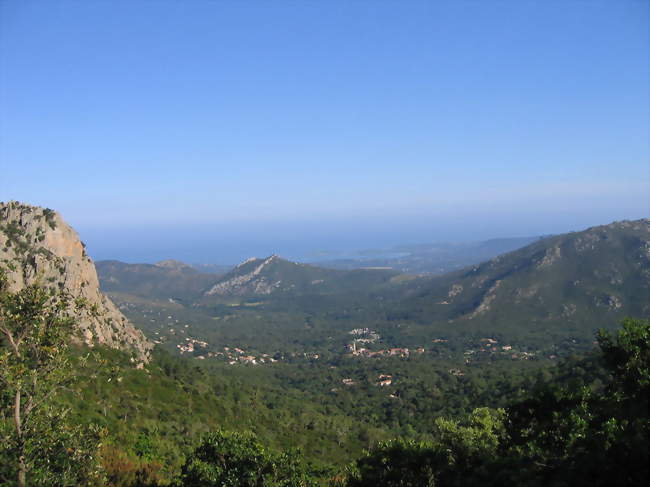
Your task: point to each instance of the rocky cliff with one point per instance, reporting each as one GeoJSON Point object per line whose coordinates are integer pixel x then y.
{"type": "Point", "coordinates": [37, 246]}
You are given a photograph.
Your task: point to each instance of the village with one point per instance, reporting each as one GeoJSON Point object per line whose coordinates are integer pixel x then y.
{"type": "Point", "coordinates": [364, 344]}
{"type": "Point", "coordinates": [232, 355]}
{"type": "Point", "coordinates": [491, 346]}
{"type": "Point", "coordinates": [358, 347]}
{"type": "Point", "coordinates": [366, 336]}
{"type": "Point", "coordinates": [363, 337]}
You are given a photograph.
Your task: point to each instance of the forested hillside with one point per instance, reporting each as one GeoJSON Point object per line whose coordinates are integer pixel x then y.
{"type": "Point", "coordinates": [166, 280]}
{"type": "Point", "coordinates": [560, 287]}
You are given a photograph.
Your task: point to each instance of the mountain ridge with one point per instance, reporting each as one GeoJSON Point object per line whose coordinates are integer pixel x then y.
{"type": "Point", "coordinates": [168, 279]}
{"type": "Point", "coordinates": [273, 275]}
{"type": "Point", "coordinates": [597, 275]}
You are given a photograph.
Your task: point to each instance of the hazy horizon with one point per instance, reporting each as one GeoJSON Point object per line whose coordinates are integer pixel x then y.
{"type": "Point", "coordinates": [304, 241]}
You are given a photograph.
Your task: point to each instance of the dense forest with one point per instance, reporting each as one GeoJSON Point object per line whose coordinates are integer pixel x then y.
{"type": "Point", "coordinates": [78, 416]}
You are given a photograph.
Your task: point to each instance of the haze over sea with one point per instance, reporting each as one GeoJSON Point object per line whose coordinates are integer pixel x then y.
{"type": "Point", "coordinates": [316, 240]}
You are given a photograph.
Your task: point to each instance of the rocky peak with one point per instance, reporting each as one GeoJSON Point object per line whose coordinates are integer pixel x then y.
{"type": "Point", "coordinates": [247, 278]}
{"type": "Point", "coordinates": [37, 246]}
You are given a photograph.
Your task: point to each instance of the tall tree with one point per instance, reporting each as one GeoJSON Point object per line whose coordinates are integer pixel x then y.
{"type": "Point", "coordinates": [38, 445]}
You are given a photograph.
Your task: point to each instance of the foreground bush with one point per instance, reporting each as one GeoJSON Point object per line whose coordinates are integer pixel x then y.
{"type": "Point", "coordinates": [229, 459]}
{"type": "Point", "coordinates": [460, 453]}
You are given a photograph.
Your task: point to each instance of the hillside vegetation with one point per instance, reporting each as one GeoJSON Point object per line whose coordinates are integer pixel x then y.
{"type": "Point", "coordinates": [164, 280]}
{"type": "Point", "coordinates": [565, 286]}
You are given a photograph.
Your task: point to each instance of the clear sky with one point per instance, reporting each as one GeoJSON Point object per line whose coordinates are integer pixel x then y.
{"type": "Point", "coordinates": [207, 130]}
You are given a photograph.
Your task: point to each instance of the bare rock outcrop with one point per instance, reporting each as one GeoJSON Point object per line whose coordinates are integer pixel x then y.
{"type": "Point", "coordinates": [485, 303]}
{"type": "Point", "coordinates": [37, 246]}
{"type": "Point", "coordinates": [248, 282]}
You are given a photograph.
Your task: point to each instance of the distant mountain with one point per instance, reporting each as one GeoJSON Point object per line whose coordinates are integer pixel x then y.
{"type": "Point", "coordinates": [38, 247]}
{"type": "Point", "coordinates": [174, 265]}
{"type": "Point", "coordinates": [570, 283]}
{"type": "Point", "coordinates": [168, 279]}
{"type": "Point", "coordinates": [436, 259]}
{"type": "Point", "coordinates": [274, 275]}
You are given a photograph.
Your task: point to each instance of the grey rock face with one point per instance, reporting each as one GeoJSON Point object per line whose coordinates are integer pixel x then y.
{"type": "Point", "coordinates": [250, 282]}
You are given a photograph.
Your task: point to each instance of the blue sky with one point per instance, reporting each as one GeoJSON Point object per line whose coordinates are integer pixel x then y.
{"type": "Point", "coordinates": [258, 125]}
